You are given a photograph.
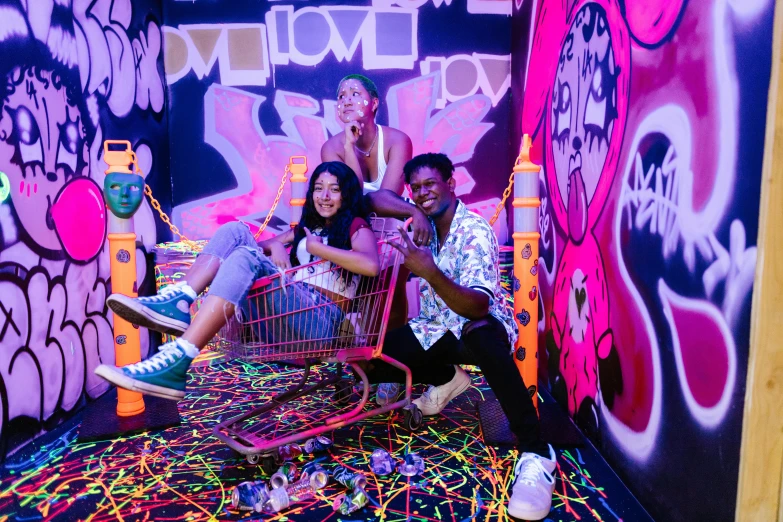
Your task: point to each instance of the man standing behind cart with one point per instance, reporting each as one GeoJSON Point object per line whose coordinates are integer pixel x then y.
{"type": "Point", "coordinates": [465, 319]}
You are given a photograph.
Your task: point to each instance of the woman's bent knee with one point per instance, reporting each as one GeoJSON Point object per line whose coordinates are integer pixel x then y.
{"type": "Point", "coordinates": [237, 229]}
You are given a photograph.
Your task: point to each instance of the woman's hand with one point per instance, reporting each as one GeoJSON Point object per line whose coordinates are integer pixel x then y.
{"type": "Point", "coordinates": [353, 130]}
{"type": "Point", "coordinates": [311, 240]}
{"type": "Point", "coordinates": [279, 256]}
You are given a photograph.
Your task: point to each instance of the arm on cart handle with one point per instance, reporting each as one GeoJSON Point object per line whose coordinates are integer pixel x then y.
{"type": "Point", "coordinates": [275, 248]}
{"type": "Point", "coordinates": [386, 203]}
{"type": "Point", "coordinates": [362, 259]}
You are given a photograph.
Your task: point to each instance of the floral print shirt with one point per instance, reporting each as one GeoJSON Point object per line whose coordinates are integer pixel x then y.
{"type": "Point", "coordinates": [470, 258]}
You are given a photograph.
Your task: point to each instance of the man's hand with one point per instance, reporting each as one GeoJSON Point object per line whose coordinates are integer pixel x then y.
{"type": "Point", "coordinates": [422, 229]}
{"type": "Point", "coordinates": [417, 259]}
{"type": "Point", "coordinates": [311, 240]}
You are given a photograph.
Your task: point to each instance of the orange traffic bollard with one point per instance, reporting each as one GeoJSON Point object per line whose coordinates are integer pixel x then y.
{"type": "Point", "coordinates": [297, 166]}
{"type": "Point", "coordinates": [123, 190]}
{"type": "Point", "coordinates": [526, 295]}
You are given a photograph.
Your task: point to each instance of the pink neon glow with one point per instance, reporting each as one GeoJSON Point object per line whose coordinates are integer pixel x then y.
{"type": "Point", "coordinates": [258, 159]}
{"type": "Point", "coordinates": [299, 101]}
{"type": "Point", "coordinates": [706, 370]}
{"type": "Point", "coordinates": [706, 375]}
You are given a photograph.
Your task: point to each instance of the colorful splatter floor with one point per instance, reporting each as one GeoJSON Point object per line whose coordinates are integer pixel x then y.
{"type": "Point", "coordinates": [184, 473]}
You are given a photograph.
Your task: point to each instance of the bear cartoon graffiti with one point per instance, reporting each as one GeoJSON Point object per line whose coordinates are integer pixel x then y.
{"type": "Point", "coordinates": [576, 107]}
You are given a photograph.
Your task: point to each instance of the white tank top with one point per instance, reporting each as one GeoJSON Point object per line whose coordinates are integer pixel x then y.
{"type": "Point", "coordinates": [372, 186]}
{"type": "Point", "coordinates": [333, 280]}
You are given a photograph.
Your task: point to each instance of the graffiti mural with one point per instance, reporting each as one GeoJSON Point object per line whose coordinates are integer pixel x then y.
{"type": "Point", "coordinates": [72, 73]}
{"type": "Point", "coordinates": [648, 219]}
{"type": "Point", "coordinates": [231, 128]}
{"type": "Point", "coordinates": [251, 97]}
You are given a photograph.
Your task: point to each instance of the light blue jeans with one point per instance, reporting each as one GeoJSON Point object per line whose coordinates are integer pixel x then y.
{"type": "Point", "coordinates": [301, 312]}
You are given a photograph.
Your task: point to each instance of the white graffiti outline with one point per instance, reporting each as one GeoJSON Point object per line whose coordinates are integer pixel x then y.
{"type": "Point", "coordinates": [440, 65]}
{"type": "Point", "coordinates": [234, 158]}
{"type": "Point", "coordinates": [497, 7]}
{"type": "Point", "coordinates": [708, 417]}
{"type": "Point", "coordinates": [748, 9]}
{"type": "Point", "coordinates": [638, 445]}
{"type": "Point", "coordinates": [668, 120]}
{"type": "Point", "coordinates": [432, 121]}
{"type": "Point", "coordinates": [366, 34]}
{"type": "Point", "coordinates": [411, 4]}
{"type": "Point", "coordinates": [219, 53]}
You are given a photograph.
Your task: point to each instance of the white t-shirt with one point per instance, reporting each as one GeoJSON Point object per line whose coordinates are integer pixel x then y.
{"type": "Point", "coordinates": [327, 275]}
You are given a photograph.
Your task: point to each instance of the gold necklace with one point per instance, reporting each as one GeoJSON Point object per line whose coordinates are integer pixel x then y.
{"type": "Point", "coordinates": [367, 154]}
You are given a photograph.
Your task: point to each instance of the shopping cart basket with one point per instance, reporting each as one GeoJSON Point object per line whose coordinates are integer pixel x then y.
{"type": "Point", "coordinates": [289, 319]}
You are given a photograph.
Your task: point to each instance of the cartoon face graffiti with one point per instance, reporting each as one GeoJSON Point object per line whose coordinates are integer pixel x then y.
{"type": "Point", "coordinates": [42, 139]}
{"type": "Point", "coordinates": [123, 193]}
{"type": "Point", "coordinates": [576, 102]}
{"type": "Point", "coordinates": [583, 113]}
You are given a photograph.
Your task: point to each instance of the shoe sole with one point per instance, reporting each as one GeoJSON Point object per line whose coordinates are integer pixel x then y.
{"type": "Point", "coordinates": [430, 413]}
{"type": "Point", "coordinates": [528, 515]}
{"type": "Point", "coordinates": [138, 314]}
{"type": "Point", "coordinates": [118, 378]}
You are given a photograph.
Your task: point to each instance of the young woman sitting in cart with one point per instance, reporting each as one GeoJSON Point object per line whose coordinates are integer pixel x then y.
{"type": "Point", "coordinates": [331, 228]}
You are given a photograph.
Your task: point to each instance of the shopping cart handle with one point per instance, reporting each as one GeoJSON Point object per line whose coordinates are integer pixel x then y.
{"type": "Point", "coordinates": [262, 282]}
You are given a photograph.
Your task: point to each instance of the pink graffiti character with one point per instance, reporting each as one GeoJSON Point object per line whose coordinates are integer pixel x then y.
{"type": "Point", "coordinates": [577, 105]}
{"type": "Point", "coordinates": [42, 140]}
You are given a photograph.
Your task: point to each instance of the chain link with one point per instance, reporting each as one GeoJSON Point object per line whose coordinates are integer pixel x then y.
{"type": "Point", "coordinates": [274, 205]}
{"type": "Point", "coordinates": [197, 247]}
{"type": "Point", "coordinates": [194, 245]}
{"type": "Point", "coordinates": [502, 204]}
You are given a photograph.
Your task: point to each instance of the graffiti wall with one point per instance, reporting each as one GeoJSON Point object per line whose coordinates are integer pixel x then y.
{"type": "Point", "coordinates": [648, 119]}
{"type": "Point", "coordinates": [72, 73]}
{"type": "Point", "coordinates": [255, 84]}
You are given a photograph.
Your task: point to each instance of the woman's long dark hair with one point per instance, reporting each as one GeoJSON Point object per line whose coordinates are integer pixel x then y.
{"type": "Point", "coordinates": [338, 230]}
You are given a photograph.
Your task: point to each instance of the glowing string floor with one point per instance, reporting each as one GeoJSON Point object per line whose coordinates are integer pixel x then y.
{"type": "Point", "coordinates": [184, 473]}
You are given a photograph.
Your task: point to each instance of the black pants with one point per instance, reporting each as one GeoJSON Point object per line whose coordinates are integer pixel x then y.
{"type": "Point", "coordinates": [484, 343]}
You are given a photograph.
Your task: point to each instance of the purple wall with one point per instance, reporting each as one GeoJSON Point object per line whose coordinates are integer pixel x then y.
{"type": "Point", "coordinates": [73, 74]}
{"type": "Point", "coordinates": [254, 84]}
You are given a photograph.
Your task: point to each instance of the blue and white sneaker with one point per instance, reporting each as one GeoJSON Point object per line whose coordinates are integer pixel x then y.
{"type": "Point", "coordinates": [162, 375]}
{"type": "Point", "coordinates": [168, 312]}
{"type": "Point", "coordinates": [387, 393]}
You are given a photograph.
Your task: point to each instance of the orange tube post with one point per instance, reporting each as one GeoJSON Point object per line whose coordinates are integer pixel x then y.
{"type": "Point", "coordinates": [127, 347]}
{"type": "Point", "coordinates": [122, 249]}
{"type": "Point", "coordinates": [526, 236]}
{"type": "Point", "coordinates": [297, 165]}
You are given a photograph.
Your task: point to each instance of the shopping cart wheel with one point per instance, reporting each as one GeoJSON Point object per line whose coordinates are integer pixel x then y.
{"type": "Point", "coordinates": [270, 463]}
{"type": "Point", "coordinates": [253, 458]}
{"type": "Point", "coordinates": [342, 391]}
{"type": "Point", "coordinates": [412, 417]}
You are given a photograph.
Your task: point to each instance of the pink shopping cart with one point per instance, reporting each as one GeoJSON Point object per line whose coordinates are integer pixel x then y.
{"type": "Point", "coordinates": [289, 319]}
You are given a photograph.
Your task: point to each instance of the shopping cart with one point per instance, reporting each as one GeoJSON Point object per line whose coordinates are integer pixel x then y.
{"type": "Point", "coordinates": [288, 319]}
